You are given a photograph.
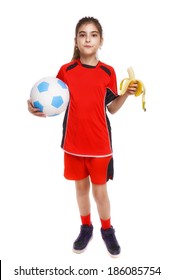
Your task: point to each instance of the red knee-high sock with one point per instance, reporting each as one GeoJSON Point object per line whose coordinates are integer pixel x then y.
{"type": "Point", "coordinates": [105, 223]}
{"type": "Point", "coordinates": [86, 220]}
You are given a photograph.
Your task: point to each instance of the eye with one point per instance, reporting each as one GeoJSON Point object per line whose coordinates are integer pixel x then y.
{"type": "Point", "coordinates": [81, 35]}
{"type": "Point", "coordinates": [94, 35]}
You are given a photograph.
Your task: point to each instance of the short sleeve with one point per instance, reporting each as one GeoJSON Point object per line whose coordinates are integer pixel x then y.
{"type": "Point", "coordinates": [60, 74]}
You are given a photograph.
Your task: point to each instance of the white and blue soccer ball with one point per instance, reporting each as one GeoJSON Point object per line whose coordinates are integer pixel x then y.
{"type": "Point", "coordinates": [50, 95]}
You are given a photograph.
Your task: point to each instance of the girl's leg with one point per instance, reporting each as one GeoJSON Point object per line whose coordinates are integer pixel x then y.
{"type": "Point", "coordinates": [102, 200]}
{"type": "Point", "coordinates": [82, 195]}
{"type": "Point", "coordinates": [103, 205]}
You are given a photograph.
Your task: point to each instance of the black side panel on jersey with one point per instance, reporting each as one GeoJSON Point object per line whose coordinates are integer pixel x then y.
{"type": "Point", "coordinates": [110, 96]}
{"type": "Point", "coordinates": [64, 125]}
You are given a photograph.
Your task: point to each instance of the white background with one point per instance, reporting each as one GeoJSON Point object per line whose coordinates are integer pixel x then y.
{"type": "Point", "coordinates": [38, 211]}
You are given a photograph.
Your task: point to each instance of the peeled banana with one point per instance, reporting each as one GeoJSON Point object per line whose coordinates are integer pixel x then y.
{"type": "Point", "coordinates": [128, 81]}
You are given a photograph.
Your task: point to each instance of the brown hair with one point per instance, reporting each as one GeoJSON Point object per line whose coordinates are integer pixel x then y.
{"type": "Point", "coordinates": [82, 21]}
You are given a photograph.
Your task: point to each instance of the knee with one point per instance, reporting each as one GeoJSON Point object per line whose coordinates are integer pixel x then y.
{"type": "Point", "coordinates": [82, 192]}
{"type": "Point", "coordinates": [82, 187]}
{"type": "Point", "coordinates": [99, 195]}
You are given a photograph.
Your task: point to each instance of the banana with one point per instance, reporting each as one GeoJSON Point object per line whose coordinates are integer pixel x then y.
{"type": "Point", "coordinates": [128, 81]}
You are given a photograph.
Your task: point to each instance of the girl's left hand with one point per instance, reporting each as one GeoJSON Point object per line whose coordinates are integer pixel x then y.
{"type": "Point", "coordinates": [131, 90]}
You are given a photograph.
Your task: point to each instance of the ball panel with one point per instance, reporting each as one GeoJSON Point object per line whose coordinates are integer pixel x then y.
{"type": "Point", "coordinates": [57, 101]}
{"type": "Point", "coordinates": [45, 98]}
{"type": "Point", "coordinates": [62, 84]}
{"type": "Point", "coordinates": [50, 111]}
{"type": "Point", "coordinates": [43, 86]}
{"type": "Point", "coordinates": [38, 105]}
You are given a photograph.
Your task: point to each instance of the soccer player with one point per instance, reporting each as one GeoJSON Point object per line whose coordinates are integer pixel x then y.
{"type": "Point", "coordinates": [88, 154]}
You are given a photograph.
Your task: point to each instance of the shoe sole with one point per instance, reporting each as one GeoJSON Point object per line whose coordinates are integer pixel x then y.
{"type": "Point", "coordinates": [114, 256]}
{"type": "Point", "coordinates": [83, 250]}
{"type": "Point", "coordinates": [111, 255]}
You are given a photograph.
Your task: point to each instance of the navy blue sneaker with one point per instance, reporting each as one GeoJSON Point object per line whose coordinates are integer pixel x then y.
{"type": "Point", "coordinates": [111, 242]}
{"type": "Point", "coordinates": [83, 239]}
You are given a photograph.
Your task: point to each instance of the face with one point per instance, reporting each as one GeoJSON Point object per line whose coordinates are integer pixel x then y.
{"type": "Point", "coordinates": [88, 39]}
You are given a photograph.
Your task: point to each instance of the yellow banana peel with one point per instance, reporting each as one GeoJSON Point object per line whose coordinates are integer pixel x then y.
{"type": "Point", "coordinates": [128, 81]}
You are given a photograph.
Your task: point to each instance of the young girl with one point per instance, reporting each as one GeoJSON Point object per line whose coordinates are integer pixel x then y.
{"type": "Point", "coordinates": [86, 130]}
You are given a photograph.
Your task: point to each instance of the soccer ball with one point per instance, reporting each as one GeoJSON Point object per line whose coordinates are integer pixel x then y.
{"type": "Point", "coordinates": [50, 95]}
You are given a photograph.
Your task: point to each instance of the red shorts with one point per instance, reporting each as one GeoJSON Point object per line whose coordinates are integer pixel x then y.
{"type": "Point", "coordinates": [100, 170]}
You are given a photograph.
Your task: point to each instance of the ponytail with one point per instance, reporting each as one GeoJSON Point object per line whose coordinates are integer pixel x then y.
{"type": "Point", "coordinates": [76, 53]}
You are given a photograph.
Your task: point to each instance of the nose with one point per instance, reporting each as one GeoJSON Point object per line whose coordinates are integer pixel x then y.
{"type": "Point", "coordinates": [88, 38]}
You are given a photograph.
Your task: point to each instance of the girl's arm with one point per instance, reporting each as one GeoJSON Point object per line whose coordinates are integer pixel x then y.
{"type": "Point", "coordinates": [119, 101]}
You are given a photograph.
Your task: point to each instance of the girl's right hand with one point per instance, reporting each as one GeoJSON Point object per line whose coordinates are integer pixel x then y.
{"type": "Point", "coordinates": [34, 111]}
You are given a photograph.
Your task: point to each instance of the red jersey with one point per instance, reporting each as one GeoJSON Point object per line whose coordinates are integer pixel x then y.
{"type": "Point", "coordinates": [86, 127]}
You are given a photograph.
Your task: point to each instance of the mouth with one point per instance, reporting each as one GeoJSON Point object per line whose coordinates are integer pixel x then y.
{"type": "Point", "coordinates": [87, 46]}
